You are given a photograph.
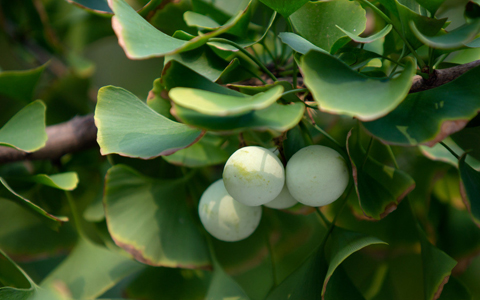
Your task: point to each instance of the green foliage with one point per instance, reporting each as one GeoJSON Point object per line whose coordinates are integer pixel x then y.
{"type": "Point", "coordinates": [119, 219]}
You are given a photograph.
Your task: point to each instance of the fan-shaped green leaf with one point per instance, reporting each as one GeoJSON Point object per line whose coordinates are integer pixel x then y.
{"type": "Point", "coordinates": [90, 270]}
{"type": "Point", "coordinates": [325, 15]}
{"type": "Point", "coordinates": [437, 267]}
{"type": "Point", "coordinates": [210, 150]}
{"type": "Point", "coordinates": [64, 181]}
{"type": "Point", "coordinates": [431, 5]}
{"type": "Point", "coordinates": [214, 104]}
{"type": "Point", "coordinates": [179, 284]}
{"type": "Point", "coordinates": [176, 74]}
{"type": "Point", "coordinates": [100, 7]}
{"type": "Point", "coordinates": [380, 188]}
{"type": "Point", "coordinates": [222, 286]}
{"type": "Point", "coordinates": [429, 26]}
{"type": "Point", "coordinates": [470, 189]}
{"type": "Point", "coordinates": [167, 235]}
{"type": "Point", "coordinates": [340, 90]}
{"type": "Point", "coordinates": [20, 85]}
{"type": "Point", "coordinates": [6, 192]}
{"type": "Point", "coordinates": [19, 286]}
{"type": "Point", "coordinates": [276, 117]}
{"type": "Point", "coordinates": [455, 289]}
{"type": "Point", "coordinates": [25, 237]}
{"type": "Point", "coordinates": [203, 61]}
{"type": "Point", "coordinates": [26, 129]}
{"type": "Point", "coordinates": [451, 40]}
{"type": "Point", "coordinates": [428, 117]}
{"type": "Point", "coordinates": [284, 7]}
{"type": "Point", "coordinates": [381, 34]}
{"type": "Point", "coordinates": [127, 126]}
{"type": "Point", "coordinates": [298, 43]}
{"type": "Point", "coordinates": [141, 40]}
{"type": "Point", "coordinates": [344, 243]}
{"type": "Point", "coordinates": [438, 152]}
{"type": "Point", "coordinates": [305, 283]}
{"type": "Point", "coordinates": [194, 19]}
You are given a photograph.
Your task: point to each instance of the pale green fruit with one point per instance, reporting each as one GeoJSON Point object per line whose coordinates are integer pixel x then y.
{"type": "Point", "coordinates": [223, 217]}
{"type": "Point", "coordinates": [316, 175]}
{"type": "Point", "coordinates": [283, 200]}
{"type": "Point", "coordinates": [254, 175]}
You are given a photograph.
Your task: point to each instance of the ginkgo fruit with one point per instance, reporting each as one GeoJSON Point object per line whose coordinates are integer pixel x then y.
{"type": "Point", "coordinates": [223, 217]}
{"type": "Point", "coordinates": [316, 175]}
{"type": "Point", "coordinates": [254, 175]}
{"type": "Point", "coordinates": [283, 200]}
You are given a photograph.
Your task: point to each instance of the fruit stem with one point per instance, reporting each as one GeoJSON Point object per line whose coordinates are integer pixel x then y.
{"type": "Point", "coordinates": [332, 224]}
{"type": "Point", "coordinates": [272, 259]}
{"type": "Point", "coordinates": [327, 136]}
{"type": "Point", "coordinates": [322, 216]}
{"type": "Point", "coordinates": [450, 150]}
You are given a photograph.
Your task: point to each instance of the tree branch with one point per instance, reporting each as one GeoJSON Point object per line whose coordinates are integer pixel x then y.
{"type": "Point", "coordinates": [77, 134]}
{"type": "Point", "coordinates": [441, 77]}
{"type": "Point", "coordinates": [80, 133]}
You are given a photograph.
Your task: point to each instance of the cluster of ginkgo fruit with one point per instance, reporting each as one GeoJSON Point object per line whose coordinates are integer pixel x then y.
{"type": "Point", "coordinates": [230, 208]}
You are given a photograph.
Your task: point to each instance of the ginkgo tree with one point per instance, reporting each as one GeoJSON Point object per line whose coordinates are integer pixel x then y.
{"type": "Point", "coordinates": [116, 116]}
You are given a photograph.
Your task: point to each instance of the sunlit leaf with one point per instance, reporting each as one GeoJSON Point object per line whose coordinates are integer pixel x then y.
{"type": "Point", "coordinates": [26, 129]}
{"type": "Point", "coordinates": [136, 130]}
{"type": "Point", "coordinates": [470, 189]}
{"type": "Point", "coordinates": [64, 181]}
{"type": "Point", "coordinates": [379, 35]}
{"type": "Point", "coordinates": [428, 117]}
{"type": "Point", "coordinates": [6, 192]}
{"type": "Point", "coordinates": [90, 270]}
{"type": "Point", "coordinates": [451, 40]}
{"type": "Point", "coordinates": [380, 188]}
{"type": "Point", "coordinates": [167, 235]}
{"type": "Point", "coordinates": [152, 42]}
{"type": "Point", "coordinates": [325, 15]}
{"type": "Point", "coordinates": [214, 104]}
{"type": "Point", "coordinates": [340, 90]}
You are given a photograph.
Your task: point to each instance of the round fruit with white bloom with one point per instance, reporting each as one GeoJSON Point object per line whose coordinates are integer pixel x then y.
{"type": "Point", "coordinates": [316, 175]}
{"type": "Point", "coordinates": [223, 217]}
{"type": "Point", "coordinates": [254, 175]}
{"type": "Point", "coordinates": [283, 200]}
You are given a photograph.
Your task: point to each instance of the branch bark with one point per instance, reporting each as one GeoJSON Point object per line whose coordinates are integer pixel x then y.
{"type": "Point", "coordinates": [441, 77]}
{"type": "Point", "coordinates": [80, 133]}
{"type": "Point", "coordinates": [75, 135]}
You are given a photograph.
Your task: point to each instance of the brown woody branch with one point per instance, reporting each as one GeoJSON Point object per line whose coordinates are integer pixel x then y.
{"type": "Point", "coordinates": [441, 77]}
{"type": "Point", "coordinates": [75, 135]}
{"type": "Point", "coordinates": [80, 133]}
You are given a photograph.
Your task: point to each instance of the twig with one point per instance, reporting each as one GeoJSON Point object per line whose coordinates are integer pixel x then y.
{"type": "Point", "coordinates": [77, 134]}
{"type": "Point", "coordinates": [441, 77]}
